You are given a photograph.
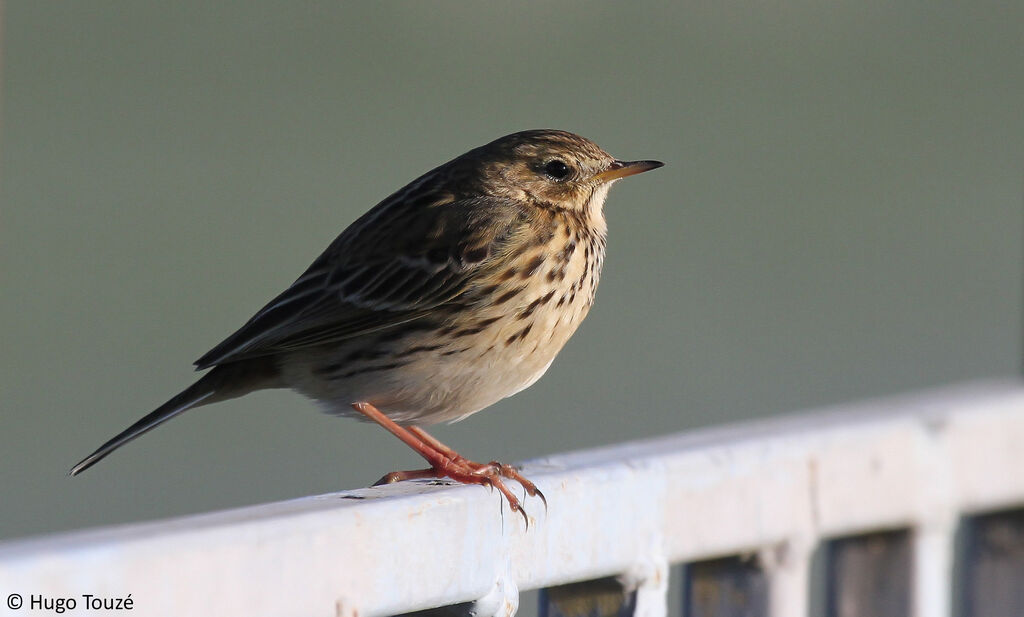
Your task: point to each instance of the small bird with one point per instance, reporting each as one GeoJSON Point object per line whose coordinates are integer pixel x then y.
{"type": "Point", "coordinates": [446, 297]}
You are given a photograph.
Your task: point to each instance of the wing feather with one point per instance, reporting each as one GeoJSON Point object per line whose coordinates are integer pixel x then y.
{"type": "Point", "coordinates": [394, 265]}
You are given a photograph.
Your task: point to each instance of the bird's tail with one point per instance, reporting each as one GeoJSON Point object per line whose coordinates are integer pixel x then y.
{"type": "Point", "coordinates": [223, 382]}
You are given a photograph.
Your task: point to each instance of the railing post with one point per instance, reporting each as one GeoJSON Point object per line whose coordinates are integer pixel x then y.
{"type": "Point", "coordinates": [503, 601]}
{"type": "Point", "coordinates": [650, 583]}
{"type": "Point", "coordinates": [788, 567]}
{"type": "Point", "coordinates": [933, 549]}
{"type": "Point", "coordinates": [934, 534]}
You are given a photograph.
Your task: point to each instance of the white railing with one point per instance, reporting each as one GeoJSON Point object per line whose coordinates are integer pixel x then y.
{"type": "Point", "coordinates": [775, 488]}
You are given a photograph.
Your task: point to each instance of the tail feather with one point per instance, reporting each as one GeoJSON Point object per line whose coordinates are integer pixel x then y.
{"type": "Point", "coordinates": [223, 382]}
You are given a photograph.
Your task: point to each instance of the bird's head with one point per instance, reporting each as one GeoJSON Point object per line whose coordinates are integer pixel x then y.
{"type": "Point", "coordinates": [550, 169]}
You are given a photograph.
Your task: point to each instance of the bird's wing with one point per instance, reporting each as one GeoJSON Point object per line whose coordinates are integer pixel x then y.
{"type": "Point", "coordinates": [397, 263]}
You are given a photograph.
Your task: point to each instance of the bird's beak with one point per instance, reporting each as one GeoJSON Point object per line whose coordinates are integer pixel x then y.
{"type": "Point", "coordinates": [621, 169]}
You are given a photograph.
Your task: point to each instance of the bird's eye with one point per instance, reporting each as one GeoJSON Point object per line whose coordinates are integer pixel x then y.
{"type": "Point", "coordinates": [557, 169]}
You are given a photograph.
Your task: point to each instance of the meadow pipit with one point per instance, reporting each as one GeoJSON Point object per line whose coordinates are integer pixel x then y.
{"type": "Point", "coordinates": [451, 294]}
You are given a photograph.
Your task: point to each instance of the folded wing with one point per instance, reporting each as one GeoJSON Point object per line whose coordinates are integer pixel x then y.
{"type": "Point", "coordinates": [396, 264]}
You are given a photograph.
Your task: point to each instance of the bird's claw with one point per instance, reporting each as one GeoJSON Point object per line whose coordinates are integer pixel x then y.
{"type": "Point", "coordinates": [465, 471]}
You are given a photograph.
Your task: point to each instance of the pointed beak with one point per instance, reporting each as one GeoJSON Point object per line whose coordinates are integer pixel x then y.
{"type": "Point", "coordinates": [621, 169]}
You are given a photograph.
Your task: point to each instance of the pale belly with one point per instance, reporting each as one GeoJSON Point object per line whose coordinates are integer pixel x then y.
{"type": "Point", "coordinates": [450, 389]}
{"type": "Point", "coordinates": [438, 387]}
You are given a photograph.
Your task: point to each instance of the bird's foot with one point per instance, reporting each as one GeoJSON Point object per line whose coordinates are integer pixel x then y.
{"type": "Point", "coordinates": [464, 471]}
{"type": "Point", "coordinates": [447, 463]}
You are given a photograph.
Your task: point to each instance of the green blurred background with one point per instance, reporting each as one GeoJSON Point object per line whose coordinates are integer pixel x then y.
{"type": "Point", "coordinates": [840, 217]}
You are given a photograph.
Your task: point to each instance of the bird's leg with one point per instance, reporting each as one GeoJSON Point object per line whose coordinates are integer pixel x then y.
{"type": "Point", "coordinates": [437, 459]}
{"type": "Point", "coordinates": [445, 462]}
{"type": "Point", "coordinates": [435, 443]}
{"type": "Point", "coordinates": [502, 469]}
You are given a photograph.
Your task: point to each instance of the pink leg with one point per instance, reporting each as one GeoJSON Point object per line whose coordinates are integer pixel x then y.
{"type": "Point", "coordinates": [445, 462]}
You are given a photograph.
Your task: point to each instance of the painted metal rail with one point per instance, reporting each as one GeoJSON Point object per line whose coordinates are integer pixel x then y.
{"type": "Point", "coordinates": [908, 502]}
